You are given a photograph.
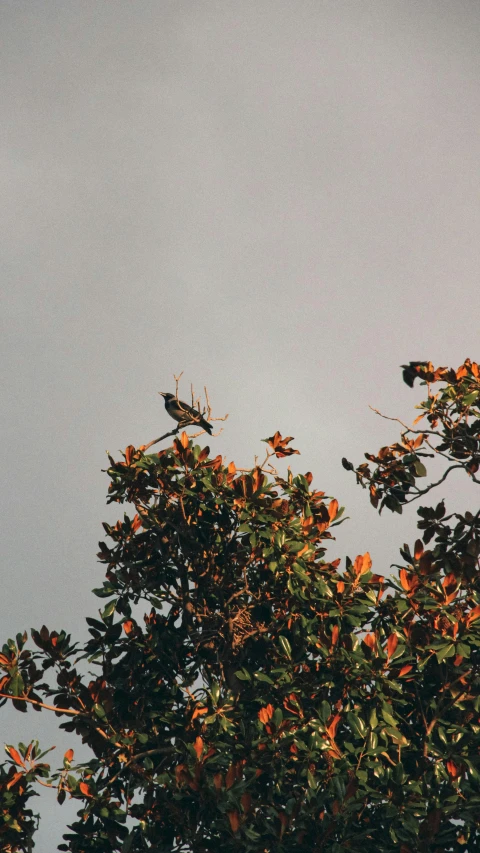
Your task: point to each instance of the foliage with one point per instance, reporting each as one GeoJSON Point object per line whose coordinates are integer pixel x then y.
{"type": "Point", "coordinates": [269, 700]}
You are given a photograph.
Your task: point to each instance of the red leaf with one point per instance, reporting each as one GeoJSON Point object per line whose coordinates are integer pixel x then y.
{"type": "Point", "coordinates": [246, 801]}
{"type": "Point", "coordinates": [370, 641]}
{"type": "Point", "coordinates": [407, 668]}
{"type": "Point", "coordinates": [85, 789]}
{"type": "Point", "coordinates": [230, 777]}
{"type": "Point", "coordinates": [68, 755]}
{"type": "Point", "coordinates": [335, 633]}
{"type": "Point", "coordinates": [234, 819]}
{"type": "Point", "coordinates": [392, 644]}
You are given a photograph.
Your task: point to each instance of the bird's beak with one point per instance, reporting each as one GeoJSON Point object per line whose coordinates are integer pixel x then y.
{"type": "Point", "coordinates": [162, 393]}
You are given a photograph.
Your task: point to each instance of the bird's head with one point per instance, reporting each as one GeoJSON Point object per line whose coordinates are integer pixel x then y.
{"type": "Point", "coordinates": [166, 396]}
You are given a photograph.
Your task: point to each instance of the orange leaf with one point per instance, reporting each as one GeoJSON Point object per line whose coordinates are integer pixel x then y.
{"type": "Point", "coordinates": [340, 587]}
{"type": "Point", "coordinates": [129, 451]}
{"type": "Point", "coordinates": [392, 644]}
{"type": "Point", "coordinates": [418, 441]}
{"type": "Point", "coordinates": [15, 755]}
{"type": "Point", "coordinates": [357, 566]}
{"type": "Point", "coordinates": [199, 711]}
{"type": "Point", "coordinates": [332, 509]}
{"type": "Point", "coordinates": [405, 669]}
{"type": "Point", "coordinates": [404, 580]}
{"type": "Point", "coordinates": [473, 615]}
{"type": "Point", "coordinates": [68, 755]}
{"type": "Point", "coordinates": [217, 781]}
{"type": "Point", "coordinates": [184, 440]}
{"type": "Point", "coordinates": [85, 789]}
{"type": "Point", "coordinates": [418, 549]}
{"type": "Point", "coordinates": [198, 747]}
{"type": "Point", "coordinates": [128, 626]}
{"type": "Point", "coordinates": [362, 564]}
{"type": "Point", "coordinates": [265, 714]}
{"type": "Point", "coordinates": [335, 633]}
{"type": "Point", "coordinates": [14, 779]}
{"type": "Point", "coordinates": [367, 563]}
{"type": "Point", "coordinates": [370, 641]}
{"type": "Point", "coordinates": [453, 771]}
{"type": "Point", "coordinates": [419, 418]}
{"type": "Point", "coordinates": [234, 819]}
{"type": "Point", "coordinates": [279, 445]}
{"type": "Point", "coordinates": [332, 728]}
{"type": "Point", "coordinates": [136, 522]}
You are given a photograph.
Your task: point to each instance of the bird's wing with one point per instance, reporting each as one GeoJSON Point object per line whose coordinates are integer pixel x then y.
{"type": "Point", "coordinates": [189, 411]}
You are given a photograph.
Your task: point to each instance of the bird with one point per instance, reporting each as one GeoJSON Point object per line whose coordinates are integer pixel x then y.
{"type": "Point", "coordinates": [184, 414]}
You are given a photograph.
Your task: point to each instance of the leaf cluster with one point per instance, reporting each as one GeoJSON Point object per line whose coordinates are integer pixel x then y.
{"type": "Point", "coordinates": [240, 689]}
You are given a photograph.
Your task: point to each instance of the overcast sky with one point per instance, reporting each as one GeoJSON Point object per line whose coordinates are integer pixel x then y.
{"type": "Point", "coordinates": [279, 198]}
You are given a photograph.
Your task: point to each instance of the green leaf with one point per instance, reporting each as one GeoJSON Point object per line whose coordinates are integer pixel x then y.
{"type": "Point", "coordinates": [357, 724]}
{"type": "Point", "coordinates": [278, 717]}
{"type": "Point", "coordinates": [105, 591]}
{"type": "Point", "coordinates": [388, 718]}
{"type": "Point", "coordinates": [260, 676]}
{"type": "Point", "coordinates": [447, 651]}
{"type": "Point", "coordinates": [324, 711]}
{"type": "Point", "coordinates": [285, 646]}
{"type": "Point", "coordinates": [463, 650]}
{"type": "Point", "coordinates": [243, 675]}
{"type": "Point", "coordinates": [420, 469]}
{"type": "Point", "coordinates": [109, 609]}
{"type": "Point", "coordinates": [470, 398]}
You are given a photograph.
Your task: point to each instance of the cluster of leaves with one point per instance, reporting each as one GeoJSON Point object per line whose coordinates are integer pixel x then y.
{"type": "Point", "coordinates": [267, 699]}
{"type": "Point", "coordinates": [18, 823]}
{"type": "Point", "coordinates": [453, 416]}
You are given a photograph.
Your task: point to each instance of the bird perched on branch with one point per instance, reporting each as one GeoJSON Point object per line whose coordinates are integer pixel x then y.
{"type": "Point", "coordinates": [184, 414]}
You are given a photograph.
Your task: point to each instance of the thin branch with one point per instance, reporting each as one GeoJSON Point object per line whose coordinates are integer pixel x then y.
{"type": "Point", "coordinates": [165, 750]}
{"type": "Point", "coordinates": [144, 447]}
{"type": "Point", "coordinates": [177, 380]}
{"type": "Point", "coordinates": [43, 705]}
{"type": "Point", "coordinates": [421, 492]}
{"type": "Point", "coordinates": [70, 711]}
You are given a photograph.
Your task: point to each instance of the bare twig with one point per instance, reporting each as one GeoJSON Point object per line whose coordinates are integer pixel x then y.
{"type": "Point", "coordinates": [177, 380]}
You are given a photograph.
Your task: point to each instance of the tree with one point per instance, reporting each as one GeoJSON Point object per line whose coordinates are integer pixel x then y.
{"type": "Point", "coordinates": [269, 700]}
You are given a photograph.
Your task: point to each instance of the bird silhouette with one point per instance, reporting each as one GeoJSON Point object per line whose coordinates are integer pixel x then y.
{"type": "Point", "coordinates": [184, 414]}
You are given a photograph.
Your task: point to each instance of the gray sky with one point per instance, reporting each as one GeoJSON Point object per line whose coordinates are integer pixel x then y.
{"type": "Point", "coordinates": [279, 198]}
